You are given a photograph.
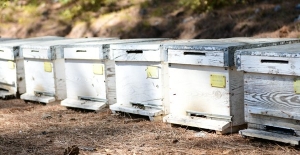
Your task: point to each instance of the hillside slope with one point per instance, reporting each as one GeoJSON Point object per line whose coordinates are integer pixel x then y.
{"type": "Point", "coordinates": [148, 18]}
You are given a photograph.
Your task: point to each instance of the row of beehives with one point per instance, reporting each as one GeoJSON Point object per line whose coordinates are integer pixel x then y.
{"type": "Point", "coordinates": [216, 84]}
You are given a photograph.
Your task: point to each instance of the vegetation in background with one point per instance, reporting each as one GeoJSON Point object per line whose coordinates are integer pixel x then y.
{"type": "Point", "coordinates": [207, 5]}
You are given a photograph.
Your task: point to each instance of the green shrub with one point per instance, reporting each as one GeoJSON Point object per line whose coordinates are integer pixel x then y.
{"type": "Point", "coordinates": [206, 5]}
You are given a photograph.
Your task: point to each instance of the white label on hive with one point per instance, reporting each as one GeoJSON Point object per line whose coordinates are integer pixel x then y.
{"type": "Point", "coordinates": [47, 66]}
{"type": "Point", "coordinates": [11, 64]}
{"type": "Point", "coordinates": [218, 81]}
{"type": "Point", "coordinates": [297, 86]}
{"type": "Point", "coordinates": [98, 69]}
{"type": "Point", "coordinates": [152, 72]}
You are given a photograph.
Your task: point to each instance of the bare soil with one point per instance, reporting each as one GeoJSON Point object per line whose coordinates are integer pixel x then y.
{"type": "Point", "coordinates": [31, 128]}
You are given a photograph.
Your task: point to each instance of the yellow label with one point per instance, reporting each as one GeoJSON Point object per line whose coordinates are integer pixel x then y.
{"type": "Point", "coordinates": [152, 72]}
{"type": "Point", "coordinates": [11, 64]}
{"type": "Point", "coordinates": [98, 69]}
{"type": "Point", "coordinates": [297, 86]}
{"type": "Point", "coordinates": [47, 66]}
{"type": "Point", "coordinates": [217, 80]}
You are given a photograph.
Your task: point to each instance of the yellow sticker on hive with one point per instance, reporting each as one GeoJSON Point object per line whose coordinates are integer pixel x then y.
{"type": "Point", "coordinates": [11, 64]}
{"type": "Point", "coordinates": [217, 80]}
{"type": "Point", "coordinates": [297, 86]}
{"type": "Point", "coordinates": [98, 69]}
{"type": "Point", "coordinates": [152, 72]}
{"type": "Point", "coordinates": [47, 66]}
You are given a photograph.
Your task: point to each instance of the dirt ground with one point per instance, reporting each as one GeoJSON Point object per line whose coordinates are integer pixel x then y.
{"type": "Point", "coordinates": [31, 128]}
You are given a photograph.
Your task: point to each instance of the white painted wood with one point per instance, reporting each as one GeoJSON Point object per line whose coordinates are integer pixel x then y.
{"type": "Point", "coordinates": [129, 109]}
{"type": "Point", "coordinates": [37, 53]}
{"type": "Point", "coordinates": [83, 53]}
{"type": "Point", "coordinates": [83, 104]}
{"type": "Point", "coordinates": [190, 89]}
{"type": "Point", "coordinates": [7, 53]}
{"type": "Point", "coordinates": [137, 55]}
{"type": "Point", "coordinates": [81, 80]}
{"type": "Point", "coordinates": [42, 99]}
{"type": "Point", "coordinates": [37, 79]}
{"type": "Point", "coordinates": [271, 136]}
{"type": "Point", "coordinates": [110, 81]}
{"type": "Point", "coordinates": [21, 84]}
{"type": "Point", "coordinates": [271, 92]}
{"type": "Point", "coordinates": [134, 86]}
{"type": "Point", "coordinates": [8, 77]}
{"type": "Point", "coordinates": [270, 65]}
{"type": "Point", "coordinates": [203, 123]}
{"type": "Point", "coordinates": [270, 100]}
{"type": "Point", "coordinates": [193, 57]}
{"type": "Point", "coordinates": [60, 79]}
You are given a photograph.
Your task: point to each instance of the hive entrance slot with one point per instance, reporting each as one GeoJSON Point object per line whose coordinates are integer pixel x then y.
{"type": "Point", "coordinates": [198, 115]}
{"type": "Point", "coordinates": [280, 130]}
{"type": "Point", "coordinates": [1, 89]}
{"type": "Point", "coordinates": [275, 61]}
{"type": "Point", "coordinates": [81, 51]}
{"type": "Point", "coordinates": [34, 51]}
{"type": "Point", "coordinates": [138, 105]}
{"type": "Point", "coordinates": [194, 53]}
{"type": "Point", "coordinates": [1, 50]}
{"type": "Point", "coordinates": [134, 51]}
{"type": "Point", "coordinates": [38, 93]}
{"type": "Point", "coordinates": [85, 98]}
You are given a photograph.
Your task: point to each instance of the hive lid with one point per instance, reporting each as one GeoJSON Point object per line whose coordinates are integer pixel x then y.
{"type": "Point", "coordinates": [288, 50]}
{"type": "Point", "coordinates": [67, 41]}
{"type": "Point", "coordinates": [229, 45]}
{"type": "Point", "coordinates": [9, 49]}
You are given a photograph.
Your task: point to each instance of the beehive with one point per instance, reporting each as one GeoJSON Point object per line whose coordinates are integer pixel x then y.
{"type": "Point", "coordinates": [206, 91]}
{"type": "Point", "coordinates": [142, 78]}
{"type": "Point", "coordinates": [272, 100]}
{"type": "Point", "coordinates": [90, 74]}
{"type": "Point", "coordinates": [44, 73]}
{"type": "Point", "coordinates": [12, 78]}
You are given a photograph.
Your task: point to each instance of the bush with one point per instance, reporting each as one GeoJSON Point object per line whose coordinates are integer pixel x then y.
{"type": "Point", "coordinates": [206, 5]}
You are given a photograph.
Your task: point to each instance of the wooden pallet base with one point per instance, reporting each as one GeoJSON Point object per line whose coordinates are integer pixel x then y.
{"type": "Point", "coordinates": [42, 99]}
{"type": "Point", "coordinates": [221, 127]}
{"type": "Point", "coordinates": [153, 114]}
{"type": "Point", "coordinates": [83, 104]}
{"type": "Point", "coordinates": [290, 139]}
{"type": "Point", "coordinates": [6, 95]}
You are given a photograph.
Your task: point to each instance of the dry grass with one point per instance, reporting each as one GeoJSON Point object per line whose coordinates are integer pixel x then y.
{"type": "Point", "coordinates": [38, 129]}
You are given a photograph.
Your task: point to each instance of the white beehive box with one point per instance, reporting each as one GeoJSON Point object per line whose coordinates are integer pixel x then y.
{"type": "Point", "coordinates": [141, 79]}
{"type": "Point", "coordinates": [44, 73]}
{"type": "Point", "coordinates": [90, 74]}
{"type": "Point", "coordinates": [206, 91]}
{"type": "Point", "coordinates": [272, 92]}
{"type": "Point", "coordinates": [12, 78]}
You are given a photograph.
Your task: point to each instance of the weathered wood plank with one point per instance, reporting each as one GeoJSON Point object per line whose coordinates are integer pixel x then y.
{"type": "Point", "coordinates": [271, 136]}
{"type": "Point", "coordinates": [273, 92]}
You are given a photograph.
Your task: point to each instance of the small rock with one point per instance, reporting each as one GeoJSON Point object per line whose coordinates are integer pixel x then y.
{"type": "Point", "coordinates": [72, 119]}
{"type": "Point", "coordinates": [298, 6]}
{"type": "Point", "coordinates": [187, 19]}
{"type": "Point", "coordinates": [87, 148]}
{"type": "Point", "coordinates": [257, 11]}
{"type": "Point", "coordinates": [200, 134]}
{"type": "Point", "coordinates": [46, 116]}
{"type": "Point", "coordinates": [44, 132]}
{"type": "Point", "coordinates": [277, 8]}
